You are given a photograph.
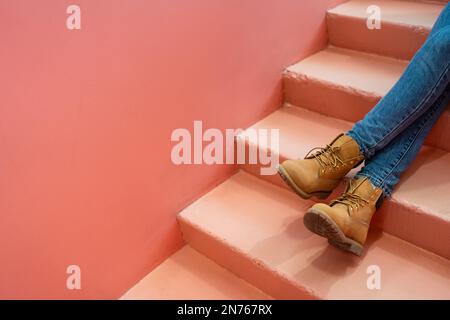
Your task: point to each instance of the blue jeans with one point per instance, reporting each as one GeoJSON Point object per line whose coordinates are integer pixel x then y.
{"type": "Point", "coordinates": [392, 133]}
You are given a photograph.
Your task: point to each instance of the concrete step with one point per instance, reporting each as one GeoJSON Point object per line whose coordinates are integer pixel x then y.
{"type": "Point", "coordinates": [189, 275]}
{"type": "Point", "coordinates": [418, 212]}
{"type": "Point", "coordinates": [254, 229]}
{"type": "Point", "coordinates": [405, 26]}
{"type": "Point", "coordinates": [346, 84]}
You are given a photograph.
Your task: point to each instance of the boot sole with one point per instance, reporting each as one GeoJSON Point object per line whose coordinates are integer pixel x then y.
{"type": "Point", "coordinates": [319, 223]}
{"type": "Point", "coordinates": [305, 195]}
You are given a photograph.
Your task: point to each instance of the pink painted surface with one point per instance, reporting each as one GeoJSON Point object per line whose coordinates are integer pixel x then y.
{"type": "Point", "coordinates": [374, 75]}
{"type": "Point", "coordinates": [404, 26]}
{"type": "Point", "coordinates": [418, 212]}
{"type": "Point", "coordinates": [189, 275]}
{"type": "Point", "coordinates": [346, 84]}
{"type": "Point", "coordinates": [400, 12]}
{"type": "Point", "coordinates": [341, 83]}
{"type": "Point", "coordinates": [254, 229]}
{"type": "Point", "coordinates": [86, 118]}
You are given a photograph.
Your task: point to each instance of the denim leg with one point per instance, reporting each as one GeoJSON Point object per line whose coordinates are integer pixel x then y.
{"type": "Point", "coordinates": [422, 83]}
{"type": "Point", "coordinates": [384, 169]}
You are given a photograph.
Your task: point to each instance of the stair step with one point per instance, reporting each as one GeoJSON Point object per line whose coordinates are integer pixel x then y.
{"type": "Point", "coordinates": [405, 26]}
{"type": "Point", "coordinates": [418, 212]}
{"type": "Point", "coordinates": [346, 84]}
{"type": "Point", "coordinates": [254, 229]}
{"type": "Point", "coordinates": [188, 275]}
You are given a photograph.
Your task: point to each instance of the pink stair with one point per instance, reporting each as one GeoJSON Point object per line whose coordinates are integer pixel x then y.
{"type": "Point", "coordinates": [417, 212]}
{"type": "Point", "coordinates": [251, 224]}
{"type": "Point", "coordinates": [254, 229]}
{"type": "Point", "coordinates": [189, 275]}
{"type": "Point", "coordinates": [404, 27]}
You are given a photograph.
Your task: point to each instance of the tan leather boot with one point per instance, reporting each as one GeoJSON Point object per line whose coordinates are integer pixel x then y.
{"type": "Point", "coordinates": [320, 172]}
{"type": "Point", "coordinates": [345, 221]}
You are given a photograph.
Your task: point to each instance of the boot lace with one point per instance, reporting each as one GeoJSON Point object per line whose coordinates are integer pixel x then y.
{"type": "Point", "coordinates": [351, 200]}
{"type": "Point", "coordinates": [326, 156]}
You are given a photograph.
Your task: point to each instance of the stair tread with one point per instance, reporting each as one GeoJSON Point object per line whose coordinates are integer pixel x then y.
{"type": "Point", "coordinates": [189, 275]}
{"type": "Point", "coordinates": [422, 186]}
{"type": "Point", "coordinates": [367, 73]}
{"type": "Point", "coordinates": [415, 14]}
{"type": "Point", "coordinates": [262, 221]}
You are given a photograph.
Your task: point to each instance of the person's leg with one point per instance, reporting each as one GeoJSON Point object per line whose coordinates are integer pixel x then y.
{"type": "Point", "coordinates": [320, 172]}
{"type": "Point", "coordinates": [392, 133]}
{"type": "Point", "coordinates": [386, 166]}
{"type": "Point", "coordinates": [422, 83]}
{"type": "Point", "coordinates": [390, 137]}
{"type": "Point", "coordinates": [345, 221]}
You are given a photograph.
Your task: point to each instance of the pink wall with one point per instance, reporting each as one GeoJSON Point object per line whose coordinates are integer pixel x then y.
{"type": "Point", "coordinates": [86, 118]}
